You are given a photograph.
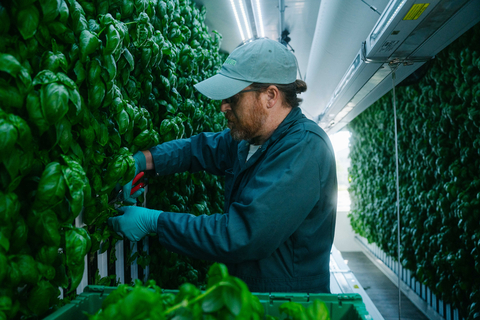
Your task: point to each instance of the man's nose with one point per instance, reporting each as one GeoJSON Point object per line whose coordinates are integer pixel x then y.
{"type": "Point", "coordinates": [225, 106]}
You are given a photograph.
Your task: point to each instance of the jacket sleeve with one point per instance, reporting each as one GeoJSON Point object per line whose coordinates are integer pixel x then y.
{"type": "Point", "coordinates": [212, 152]}
{"type": "Point", "coordinates": [285, 189]}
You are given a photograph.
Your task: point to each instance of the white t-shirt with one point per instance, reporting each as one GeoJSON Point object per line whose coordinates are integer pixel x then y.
{"type": "Point", "coordinates": [252, 150]}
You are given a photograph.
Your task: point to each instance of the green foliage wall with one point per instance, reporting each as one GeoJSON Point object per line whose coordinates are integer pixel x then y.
{"type": "Point", "coordinates": [84, 84]}
{"type": "Point", "coordinates": [439, 172]}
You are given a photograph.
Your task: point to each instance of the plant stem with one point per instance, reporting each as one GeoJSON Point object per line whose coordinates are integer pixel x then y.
{"type": "Point", "coordinates": [197, 298]}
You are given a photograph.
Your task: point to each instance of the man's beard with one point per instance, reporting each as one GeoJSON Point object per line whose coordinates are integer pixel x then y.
{"type": "Point", "coordinates": [248, 127]}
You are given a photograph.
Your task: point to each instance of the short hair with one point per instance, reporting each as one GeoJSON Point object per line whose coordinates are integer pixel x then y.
{"type": "Point", "coordinates": [289, 91]}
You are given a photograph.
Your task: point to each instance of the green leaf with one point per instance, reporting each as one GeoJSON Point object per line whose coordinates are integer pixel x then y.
{"type": "Point", "coordinates": [216, 273]}
{"type": "Point", "coordinates": [63, 78]}
{"type": "Point", "coordinates": [35, 112]}
{"type": "Point", "coordinates": [12, 163]}
{"type": "Point", "coordinates": [50, 9]}
{"type": "Point", "coordinates": [80, 73]}
{"type": "Point", "coordinates": [64, 134]}
{"type": "Point", "coordinates": [317, 310]}
{"type": "Point", "coordinates": [47, 255]}
{"type": "Point", "coordinates": [96, 94]}
{"type": "Point", "coordinates": [10, 95]}
{"type": "Point", "coordinates": [10, 64]}
{"type": "Point", "coordinates": [128, 56]}
{"type": "Point", "coordinates": [113, 40]}
{"type": "Point", "coordinates": [3, 266]}
{"type": "Point", "coordinates": [89, 42]}
{"type": "Point", "coordinates": [76, 184]}
{"type": "Point", "coordinates": [213, 301]}
{"type": "Point", "coordinates": [294, 310]}
{"type": "Point", "coordinates": [9, 207]}
{"type": "Point", "coordinates": [45, 224]}
{"type": "Point", "coordinates": [58, 28]}
{"type": "Point", "coordinates": [123, 121]}
{"type": "Point", "coordinates": [54, 61]}
{"type": "Point", "coordinates": [63, 11]}
{"type": "Point", "coordinates": [27, 21]}
{"type": "Point", "coordinates": [28, 268]}
{"type": "Point", "coordinates": [77, 246]}
{"type": "Point", "coordinates": [51, 188]}
{"type": "Point", "coordinates": [54, 101]}
{"type": "Point", "coordinates": [115, 170]}
{"type": "Point", "coordinates": [4, 20]}
{"type": "Point", "coordinates": [4, 243]}
{"type": "Point", "coordinates": [19, 235]}
{"type": "Point", "coordinates": [41, 297]}
{"type": "Point", "coordinates": [45, 77]}
{"type": "Point", "coordinates": [110, 66]}
{"type": "Point", "coordinates": [24, 133]}
{"type": "Point", "coordinates": [232, 299]}
{"type": "Point", "coordinates": [8, 138]}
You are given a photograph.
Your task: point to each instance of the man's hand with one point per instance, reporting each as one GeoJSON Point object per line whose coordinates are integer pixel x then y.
{"type": "Point", "coordinates": [135, 223]}
{"type": "Point", "coordinates": [140, 165]}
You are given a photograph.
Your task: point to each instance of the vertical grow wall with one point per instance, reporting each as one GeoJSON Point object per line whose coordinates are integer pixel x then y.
{"type": "Point", "coordinates": [439, 172]}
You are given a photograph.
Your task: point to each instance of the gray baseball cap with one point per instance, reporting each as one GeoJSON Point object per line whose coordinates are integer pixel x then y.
{"type": "Point", "coordinates": [261, 61]}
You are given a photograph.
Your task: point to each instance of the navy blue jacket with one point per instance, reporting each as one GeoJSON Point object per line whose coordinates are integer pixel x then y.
{"type": "Point", "coordinates": [280, 206]}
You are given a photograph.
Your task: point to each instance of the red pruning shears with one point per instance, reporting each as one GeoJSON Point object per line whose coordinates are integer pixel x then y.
{"type": "Point", "coordinates": [119, 196]}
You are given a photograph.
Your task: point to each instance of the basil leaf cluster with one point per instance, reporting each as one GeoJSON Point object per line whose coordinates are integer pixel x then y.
{"type": "Point", "coordinates": [84, 85]}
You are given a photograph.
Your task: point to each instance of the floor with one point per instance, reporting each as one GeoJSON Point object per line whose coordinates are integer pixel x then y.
{"type": "Point", "coordinates": [382, 292]}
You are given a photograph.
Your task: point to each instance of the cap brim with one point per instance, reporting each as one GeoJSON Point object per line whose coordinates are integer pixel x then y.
{"type": "Point", "coordinates": [220, 87]}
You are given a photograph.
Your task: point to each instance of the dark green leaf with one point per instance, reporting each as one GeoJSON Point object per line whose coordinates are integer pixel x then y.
{"type": "Point", "coordinates": [64, 134]}
{"type": "Point", "coordinates": [9, 64]}
{"type": "Point", "coordinates": [45, 77]}
{"type": "Point", "coordinates": [10, 95]}
{"type": "Point", "coordinates": [27, 21]}
{"type": "Point", "coordinates": [54, 100]}
{"type": "Point", "coordinates": [113, 40]}
{"type": "Point", "coordinates": [50, 9]}
{"type": "Point", "coordinates": [35, 112]}
{"type": "Point", "coordinates": [8, 138]}
{"type": "Point", "coordinates": [89, 42]}
{"type": "Point", "coordinates": [41, 297]}
{"type": "Point", "coordinates": [51, 188]}
{"type": "Point", "coordinates": [80, 73]}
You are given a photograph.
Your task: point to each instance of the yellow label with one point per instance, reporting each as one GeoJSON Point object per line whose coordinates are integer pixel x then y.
{"type": "Point", "coordinates": [416, 11]}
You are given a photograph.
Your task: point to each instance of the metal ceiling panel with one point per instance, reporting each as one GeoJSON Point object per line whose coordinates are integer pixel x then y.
{"type": "Point", "coordinates": [300, 20]}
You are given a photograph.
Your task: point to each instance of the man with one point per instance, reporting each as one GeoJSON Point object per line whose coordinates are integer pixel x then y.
{"type": "Point", "coordinates": [280, 179]}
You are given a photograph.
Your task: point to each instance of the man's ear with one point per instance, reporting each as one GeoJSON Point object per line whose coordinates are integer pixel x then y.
{"type": "Point", "coordinates": [273, 96]}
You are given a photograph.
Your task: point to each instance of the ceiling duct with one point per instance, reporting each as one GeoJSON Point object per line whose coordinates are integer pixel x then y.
{"type": "Point", "coordinates": [407, 34]}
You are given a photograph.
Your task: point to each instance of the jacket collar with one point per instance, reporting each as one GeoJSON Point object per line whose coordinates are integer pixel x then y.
{"type": "Point", "coordinates": [294, 115]}
{"type": "Point", "coordinates": [243, 146]}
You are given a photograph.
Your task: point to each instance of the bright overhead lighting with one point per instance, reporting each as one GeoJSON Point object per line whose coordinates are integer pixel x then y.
{"type": "Point", "coordinates": [247, 25]}
{"type": "Point", "coordinates": [259, 19]}
{"type": "Point", "coordinates": [238, 20]}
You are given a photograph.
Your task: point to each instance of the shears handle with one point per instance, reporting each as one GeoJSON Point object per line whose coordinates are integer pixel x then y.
{"type": "Point", "coordinates": [137, 187]}
{"type": "Point", "coordinates": [138, 177]}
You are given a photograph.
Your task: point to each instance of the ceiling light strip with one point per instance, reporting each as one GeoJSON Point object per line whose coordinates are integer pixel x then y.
{"type": "Point", "coordinates": [247, 25]}
{"type": "Point", "coordinates": [259, 19]}
{"type": "Point", "coordinates": [238, 19]}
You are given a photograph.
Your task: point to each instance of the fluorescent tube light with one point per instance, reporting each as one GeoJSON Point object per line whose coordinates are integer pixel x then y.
{"type": "Point", "coordinates": [238, 20]}
{"type": "Point", "coordinates": [259, 19]}
{"type": "Point", "coordinates": [245, 19]}
{"type": "Point", "coordinates": [386, 20]}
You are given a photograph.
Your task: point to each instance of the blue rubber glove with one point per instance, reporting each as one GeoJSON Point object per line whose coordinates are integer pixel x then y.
{"type": "Point", "coordinates": [136, 222]}
{"type": "Point", "coordinates": [140, 165]}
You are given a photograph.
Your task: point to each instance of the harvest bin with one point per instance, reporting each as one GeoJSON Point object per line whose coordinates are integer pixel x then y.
{"type": "Point", "coordinates": [341, 306]}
